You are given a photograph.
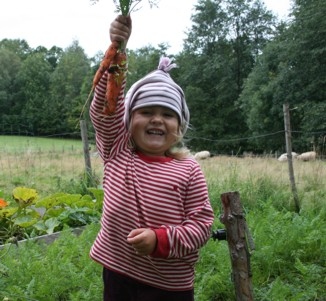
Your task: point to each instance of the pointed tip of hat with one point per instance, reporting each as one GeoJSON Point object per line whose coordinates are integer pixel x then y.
{"type": "Point", "coordinates": [166, 64]}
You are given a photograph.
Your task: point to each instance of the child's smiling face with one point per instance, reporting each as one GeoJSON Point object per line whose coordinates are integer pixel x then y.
{"type": "Point", "coordinates": [154, 129]}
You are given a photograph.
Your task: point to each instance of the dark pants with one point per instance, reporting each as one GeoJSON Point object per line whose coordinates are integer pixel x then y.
{"type": "Point", "coordinates": [121, 288]}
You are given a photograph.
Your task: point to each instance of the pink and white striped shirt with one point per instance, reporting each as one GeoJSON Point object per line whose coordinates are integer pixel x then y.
{"type": "Point", "coordinates": [167, 195]}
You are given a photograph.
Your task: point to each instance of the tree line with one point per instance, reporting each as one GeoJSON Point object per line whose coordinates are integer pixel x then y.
{"type": "Point", "coordinates": [238, 66]}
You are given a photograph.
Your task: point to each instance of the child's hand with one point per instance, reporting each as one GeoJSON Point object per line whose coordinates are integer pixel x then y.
{"type": "Point", "coordinates": [142, 240]}
{"type": "Point", "coordinates": [120, 29]}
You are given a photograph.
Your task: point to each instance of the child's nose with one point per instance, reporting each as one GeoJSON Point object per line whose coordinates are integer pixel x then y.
{"type": "Point", "coordinates": [156, 118]}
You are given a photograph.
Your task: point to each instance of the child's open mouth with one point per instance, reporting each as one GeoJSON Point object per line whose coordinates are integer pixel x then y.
{"type": "Point", "coordinates": [155, 132]}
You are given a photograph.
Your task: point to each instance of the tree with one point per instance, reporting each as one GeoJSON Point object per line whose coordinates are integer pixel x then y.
{"type": "Point", "coordinates": [222, 46]}
{"type": "Point", "coordinates": [308, 36]}
{"type": "Point", "coordinates": [9, 67]}
{"type": "Point", "coordinates": [34, 80]}
{"type": "Point", "coordinates": [19, 47]}
{"type": "Point", "coordinates": [10, 105]}
{"type": "Point", "coordinates": [67, 82]}
{"type": "Point", "coordinates": [258, 100]}
{"type": "Point", "coordinates": [52, 55]}
{"type": "Point", "coordinates": [291, 70]}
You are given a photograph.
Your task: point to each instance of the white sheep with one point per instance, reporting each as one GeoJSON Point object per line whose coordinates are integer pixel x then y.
{"type": "Point", "coordinates": [284, 157]}
{"type": "Point", "coordinates": [202, 155]}
{"type": "Point", "coordinates": [308, 156]}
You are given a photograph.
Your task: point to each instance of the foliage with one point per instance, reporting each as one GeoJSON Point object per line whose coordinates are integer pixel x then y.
{"type": "Point", "coordinates": [288, 262]}
{"type": "Point", "coordinates": [238, 66]}
{"type": "Point", "coordinates": [30, 217]}
{"type": "Point", "coordinates": [125, 7]}
{"type": "Point", "coordinates": [224, 41]}
{"type": "Point", "coordinates": [291, 70]}
{"type": "Point", "coordinates": [60, 271]}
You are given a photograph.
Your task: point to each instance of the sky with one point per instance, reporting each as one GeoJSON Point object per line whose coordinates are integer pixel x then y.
{"type": "Point", "coordinates": [58, 23]}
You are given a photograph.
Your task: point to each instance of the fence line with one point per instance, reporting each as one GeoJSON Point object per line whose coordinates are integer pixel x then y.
{"type": "Point", "coordinates": [77, 133]}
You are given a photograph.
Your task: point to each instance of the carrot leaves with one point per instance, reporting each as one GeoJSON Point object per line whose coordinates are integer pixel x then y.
{"type": "Point", "coordinates": [125, 7]}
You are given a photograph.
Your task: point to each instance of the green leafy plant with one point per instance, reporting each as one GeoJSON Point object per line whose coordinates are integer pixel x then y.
{"type": "Point", "coordinates": [29, 217]}
{"type": "Point", "coordinates": [59, 271]}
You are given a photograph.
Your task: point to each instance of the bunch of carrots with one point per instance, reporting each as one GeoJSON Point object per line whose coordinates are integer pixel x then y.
{"type": "Point", "coordinates": [115, 62]}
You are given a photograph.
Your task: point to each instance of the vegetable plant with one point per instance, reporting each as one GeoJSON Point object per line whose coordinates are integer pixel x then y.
{"type": "Point", "coordinates": [27, 216]}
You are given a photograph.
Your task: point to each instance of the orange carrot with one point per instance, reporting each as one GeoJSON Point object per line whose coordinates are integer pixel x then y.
{"type": "Point", "coordinates": [115, 79]}
{"type": "Point", "coordinates": [115, 61]}
{"type": "Point", "coordinates": [114, 56]}
{"type": "Point", "coordinates": [106, 62]}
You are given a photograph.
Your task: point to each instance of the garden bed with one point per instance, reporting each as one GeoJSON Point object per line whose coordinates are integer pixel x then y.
{"type": "Point", "coordinates": [48, 238]}
{"type": "Point", "coordinates": [52, 270]}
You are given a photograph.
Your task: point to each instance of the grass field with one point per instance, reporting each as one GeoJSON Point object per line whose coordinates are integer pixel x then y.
{"type": "Point", "coordinates": [22, 144]}
{"type": "Point", "coordinates": [50, 164]}
{"type": "Point", "coordinates": [287, 264]}
{"type": "Point", "coordinates": [47, 165]}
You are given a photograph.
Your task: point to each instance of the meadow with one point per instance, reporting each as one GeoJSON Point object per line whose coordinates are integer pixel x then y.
{"type": "Point", "coordinates": [47, 165]}
{"type": "Point", "coordinates": [288, 262]}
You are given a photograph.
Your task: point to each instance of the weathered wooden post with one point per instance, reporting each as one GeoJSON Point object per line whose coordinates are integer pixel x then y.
{"type": "Point", "coordinates": [288, 140]}
{"type": "Point", "coordinates": [239, 241]}
{"type": "Point", "coordinates": [88, 167]}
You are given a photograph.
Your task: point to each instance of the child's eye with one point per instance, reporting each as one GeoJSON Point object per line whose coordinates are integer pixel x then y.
{"type": "Point", "coordinates": [169, 114]}
{"type": "Point", "coordinates": [145, 112]}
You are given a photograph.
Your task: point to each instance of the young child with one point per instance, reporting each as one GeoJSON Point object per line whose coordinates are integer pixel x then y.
{"type": "Point", "coordinates": [156, 211]}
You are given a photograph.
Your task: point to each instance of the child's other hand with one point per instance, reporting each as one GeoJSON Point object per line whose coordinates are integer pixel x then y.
{"type": "Point", "coordinates": [143, 240]}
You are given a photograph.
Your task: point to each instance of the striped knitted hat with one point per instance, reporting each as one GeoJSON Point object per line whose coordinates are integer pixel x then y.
{"type": "Point", "coordinates": [158, 89]}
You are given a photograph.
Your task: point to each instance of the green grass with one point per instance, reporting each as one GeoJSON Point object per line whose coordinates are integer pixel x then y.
{"type": "Point", "coordinates": [47, 165]}
{"type": "Point", "coordinates": [22, 144]}
{"type": "Point", "coordinates": [61, 271]}
{"type": "Point", "coordinates": [288, 262]}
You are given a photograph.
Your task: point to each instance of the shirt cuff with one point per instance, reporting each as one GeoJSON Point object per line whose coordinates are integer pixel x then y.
{"type": "Point", "coordinates": [162, 248]}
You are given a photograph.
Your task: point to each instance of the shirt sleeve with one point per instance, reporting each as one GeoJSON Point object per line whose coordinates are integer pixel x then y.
{"type": "Point", "coordinates": [177, 241]}
{"type": "Point", "coordinates": [107, 128]}
{"type": "Point", "coordinates": [195, 230]}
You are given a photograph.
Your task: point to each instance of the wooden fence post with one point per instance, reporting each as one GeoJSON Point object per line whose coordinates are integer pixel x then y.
{"type": "Point", "coordinates": [288, 140]}
{"type": "Point", "coordinates": [88, 167]}
{"type": "Point", "coordinates": [240, 241]}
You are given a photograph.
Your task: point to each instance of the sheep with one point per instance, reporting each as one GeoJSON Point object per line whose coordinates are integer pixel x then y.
{"type": "Point", "coordinates": [248, 154]}
{"type": "Point", "coordinates": [284, 157]}
{"type": "Point", "coordinates": [308, 156]}
{"type": "Point", "coordinates": [202, 155]}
